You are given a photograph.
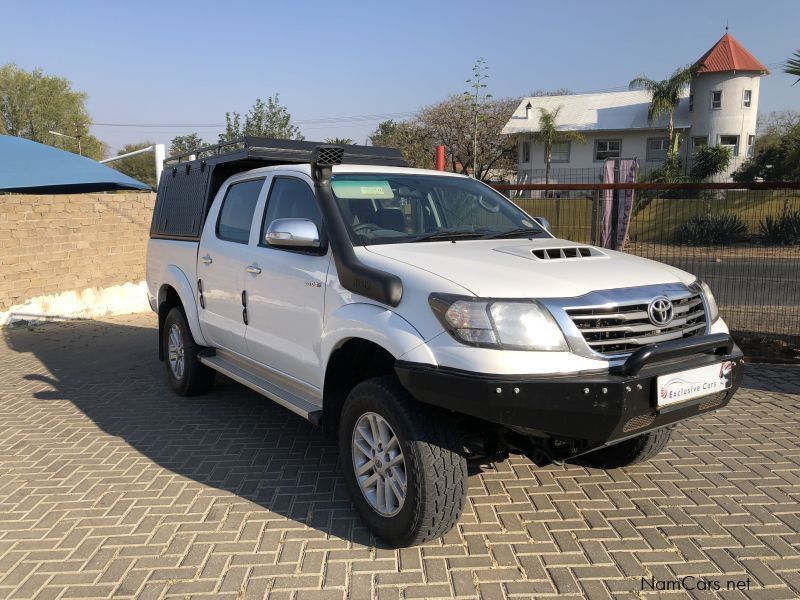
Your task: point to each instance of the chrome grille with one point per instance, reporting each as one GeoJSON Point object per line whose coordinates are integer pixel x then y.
{"type": "Point", "coordinates": [621, 329]}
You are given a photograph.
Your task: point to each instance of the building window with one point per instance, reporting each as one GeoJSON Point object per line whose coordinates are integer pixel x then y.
{"type": "Point", "coordinates": [748, 98]}
{"type": "Point", "coordinates": [604, 149]}
{"type": "Point", "coordinates": [691, 102]}
{"type": "Point", "coordinates": [526, 152]}
{"type": "Point", "coordinates": [751, 142]}
{"type": "Point", "coordinates": [730, 141]}
{"type": "Point", "coordinates": [560, 153]}
{"type": "Point", "coordinates": [716, 100]}
{"type": "Point", "coordinates": [699, 141]}
{"type": "Point", "coordinates": [657, 149]}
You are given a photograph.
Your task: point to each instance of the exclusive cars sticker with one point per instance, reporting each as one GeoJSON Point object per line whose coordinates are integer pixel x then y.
{"type": "Point", "coordinates": [694, 383]}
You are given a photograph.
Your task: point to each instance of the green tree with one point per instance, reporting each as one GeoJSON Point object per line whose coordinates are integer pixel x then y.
{"type": "Point", "coordinates": [549, 134]}
{"type": "Point", "coordinates": [792, 66]}
{"type": "Point", "coordinates": [32, 104]}
{"type": "Point", "coordinates": [264, 119]}
{"type": "Point", "coordinates": [183, 144]}
{"type": "Point", "coordinates": [337, 141]}
{"type": "Point", "coordinates": [409, 138]}
{"type": "Point", "coordinates": [665, 95]}
{"type": "Point", "coordinates": [776, 158]}
{"type": "Point", "coordinates": [141, 167]}
{"type": "Point", "coordinates": [450, 123]}
{"type": "Point", "coordinates": [710, 161]}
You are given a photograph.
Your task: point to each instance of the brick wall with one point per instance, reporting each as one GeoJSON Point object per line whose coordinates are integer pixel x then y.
{"type": "Point", "coordinates": [61, 243]}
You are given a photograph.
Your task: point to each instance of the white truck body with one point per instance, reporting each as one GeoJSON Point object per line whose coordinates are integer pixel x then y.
{"type": "Point", "coordinates": [281, 320]}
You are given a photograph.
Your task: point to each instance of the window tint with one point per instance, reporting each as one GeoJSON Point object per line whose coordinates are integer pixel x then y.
{"type": "Point", "coordinates": [237, 211]}
{"type": "Point", "coordinates": [716, 99]}
{"type": "Point", "coordinates": [291, 198]}
{"type": "Point", "coordinates": [399, 208]}
{"type": "Point", "coordinates": [748, 98]}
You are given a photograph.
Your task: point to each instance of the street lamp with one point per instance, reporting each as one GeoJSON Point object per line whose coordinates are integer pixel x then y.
{"type": "Point", "coordinates": [72, 137]}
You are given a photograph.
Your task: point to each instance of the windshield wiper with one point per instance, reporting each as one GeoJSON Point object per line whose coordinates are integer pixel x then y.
{"type": "Point", "coordinates": [444, 235]}
{"type": "Point", "coordinates": [503, 234]}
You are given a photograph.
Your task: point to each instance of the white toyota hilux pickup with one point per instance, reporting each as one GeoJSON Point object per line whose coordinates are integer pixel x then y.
{"type": "Point", "coordinates": [424, 319]}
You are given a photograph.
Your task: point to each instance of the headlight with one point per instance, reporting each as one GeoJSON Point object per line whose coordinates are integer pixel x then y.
{"type": "Point", "coordinates": [711, 303]}
{"type": "Point", "coordinates": [509, 324]}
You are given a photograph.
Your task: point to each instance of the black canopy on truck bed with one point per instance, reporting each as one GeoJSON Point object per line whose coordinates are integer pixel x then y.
{"type": "Point", "coordinates": [187, 187]}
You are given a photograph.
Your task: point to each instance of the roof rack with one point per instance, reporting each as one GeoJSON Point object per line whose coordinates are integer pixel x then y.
{"type": "Point", "coordinates": [192, 179]}
{"type": "Point", "coordinates": [264, 152]}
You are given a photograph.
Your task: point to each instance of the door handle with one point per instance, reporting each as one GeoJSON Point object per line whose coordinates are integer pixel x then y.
{"type": "Point", "coordinates": [253, 269]}
{"type": "Point", "coordinates": [207, 260]}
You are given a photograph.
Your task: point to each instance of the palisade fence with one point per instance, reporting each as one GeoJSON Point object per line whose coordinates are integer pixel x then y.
{"type": "Point", "coordinates": [743, 239]}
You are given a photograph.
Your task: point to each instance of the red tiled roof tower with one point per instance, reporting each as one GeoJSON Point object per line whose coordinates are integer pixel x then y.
{"type": "Point", "coordinates": [728, 55]}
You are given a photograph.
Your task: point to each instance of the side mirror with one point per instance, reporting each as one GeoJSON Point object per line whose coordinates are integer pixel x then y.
{"type": "Point", "coordinates": [543, 222]}
{"type": "Point", "coordinates": [294, 233]}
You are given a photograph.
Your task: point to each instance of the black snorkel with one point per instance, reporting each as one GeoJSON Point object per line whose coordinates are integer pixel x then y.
{"type": "Point", "coordinates": [353, 274]}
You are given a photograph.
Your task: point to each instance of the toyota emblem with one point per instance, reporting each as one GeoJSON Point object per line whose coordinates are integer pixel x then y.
{"type": "Point", "coordinates": [660, 311]}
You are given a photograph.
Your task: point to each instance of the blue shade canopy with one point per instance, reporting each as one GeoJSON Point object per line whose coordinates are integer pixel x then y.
{"type": "Point", "coordinates": [30, 167]}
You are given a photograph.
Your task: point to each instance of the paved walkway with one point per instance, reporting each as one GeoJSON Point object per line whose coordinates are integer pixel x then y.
{"type": "Point", "coordinates": [111, 486]}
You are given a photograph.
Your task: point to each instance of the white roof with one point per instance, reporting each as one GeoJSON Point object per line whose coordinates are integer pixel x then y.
{"type": "Point", "coordinates": [608, 111]}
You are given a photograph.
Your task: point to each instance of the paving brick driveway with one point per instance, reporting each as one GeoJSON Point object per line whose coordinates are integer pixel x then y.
{"type": "Point", "coordinates": [111, 486]}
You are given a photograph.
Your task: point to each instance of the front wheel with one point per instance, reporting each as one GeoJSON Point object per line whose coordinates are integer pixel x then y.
{"type": "Point", "coordinates": [403, 463]}
{"type": "Point", "coordinates": [634, 450]}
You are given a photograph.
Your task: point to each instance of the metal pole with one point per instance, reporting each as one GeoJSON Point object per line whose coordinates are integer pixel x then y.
{"type": "Point", "coordinates": [78, 137]}
{"type": "Point", "coordinates": [127, 154]}
{"type": "Point", "coordinates": [439, 162]}
{"type": "Point", "coordinates": [160, 152]}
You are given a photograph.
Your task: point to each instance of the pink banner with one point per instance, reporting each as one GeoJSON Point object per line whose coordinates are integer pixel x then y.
{"type": "Point", "coordinates": [614, 234]}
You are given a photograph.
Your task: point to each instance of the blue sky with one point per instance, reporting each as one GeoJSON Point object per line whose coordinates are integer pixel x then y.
{"type": "Point", "coordinates": [188, 63]}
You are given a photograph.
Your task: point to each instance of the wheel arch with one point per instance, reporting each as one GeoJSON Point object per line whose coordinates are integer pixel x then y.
{"type": "Point", "coordinates": [354, 360]}
{"type": "Point", "coordinates": [175, 290]}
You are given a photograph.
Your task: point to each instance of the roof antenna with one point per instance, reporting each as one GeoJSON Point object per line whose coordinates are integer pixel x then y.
{"type": "Point", "coordinates": [726, 25]}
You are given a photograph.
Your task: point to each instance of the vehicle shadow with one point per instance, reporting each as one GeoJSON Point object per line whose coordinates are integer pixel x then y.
{"type": "Point", "coordinates": [231, 439]}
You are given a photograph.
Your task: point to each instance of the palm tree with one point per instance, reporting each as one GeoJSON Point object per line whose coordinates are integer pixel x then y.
{"type": "Point", "coordinates": [665, 96]}
{"type": "Point", "coordinates": [550, 134]}
{"type": "Point", "coordinates": [792, 66]}
{"type": "Point", "coordinates": [337, 141]}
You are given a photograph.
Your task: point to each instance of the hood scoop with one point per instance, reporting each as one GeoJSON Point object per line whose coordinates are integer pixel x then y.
{"type": "Point", "coordinates": [557, 253]}
{"type": "Point", "coordinates": [566, 252]}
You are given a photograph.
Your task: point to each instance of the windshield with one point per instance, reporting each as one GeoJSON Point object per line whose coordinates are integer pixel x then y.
{"type": "Point", "coordinates": [389, 208]}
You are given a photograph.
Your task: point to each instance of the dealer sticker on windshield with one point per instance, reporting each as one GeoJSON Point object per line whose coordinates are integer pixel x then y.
{"type": "Point", "coordinates": [694, 383]}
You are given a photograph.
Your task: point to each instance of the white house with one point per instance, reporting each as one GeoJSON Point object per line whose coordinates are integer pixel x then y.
{"type": "Point", "coordinates": [720, 107]}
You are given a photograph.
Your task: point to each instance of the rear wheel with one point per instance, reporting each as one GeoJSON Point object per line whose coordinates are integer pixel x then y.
{"type": "Point", "coordinates": [634, 450]}
{"type": "Point", "coordinates": [187, 375]}
{"type": "Point", "coordinates": [403, 463]}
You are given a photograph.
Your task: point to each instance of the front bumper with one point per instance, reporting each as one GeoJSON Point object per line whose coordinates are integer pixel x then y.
{"type": "Point", "coordinates": [598, 408]}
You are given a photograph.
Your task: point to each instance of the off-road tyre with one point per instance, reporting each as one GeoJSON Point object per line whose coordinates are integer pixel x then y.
{"type": "Point", "coordinates": [196, 378]}
{"type": "Point", "coordinates": [634, 450]}
{"type": "Point", "coordinates": [436, 468]}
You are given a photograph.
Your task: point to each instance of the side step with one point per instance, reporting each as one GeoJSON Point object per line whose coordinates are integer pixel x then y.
{"type": "Point", "coordinates": [235, 371]}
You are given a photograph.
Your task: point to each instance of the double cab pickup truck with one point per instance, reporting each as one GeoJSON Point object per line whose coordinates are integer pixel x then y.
{"type": "Point", "coordinates": [422, 318]}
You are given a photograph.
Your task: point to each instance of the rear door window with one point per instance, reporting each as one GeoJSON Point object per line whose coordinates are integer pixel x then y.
{"type": "Point", "coordinates": [236, 214]}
